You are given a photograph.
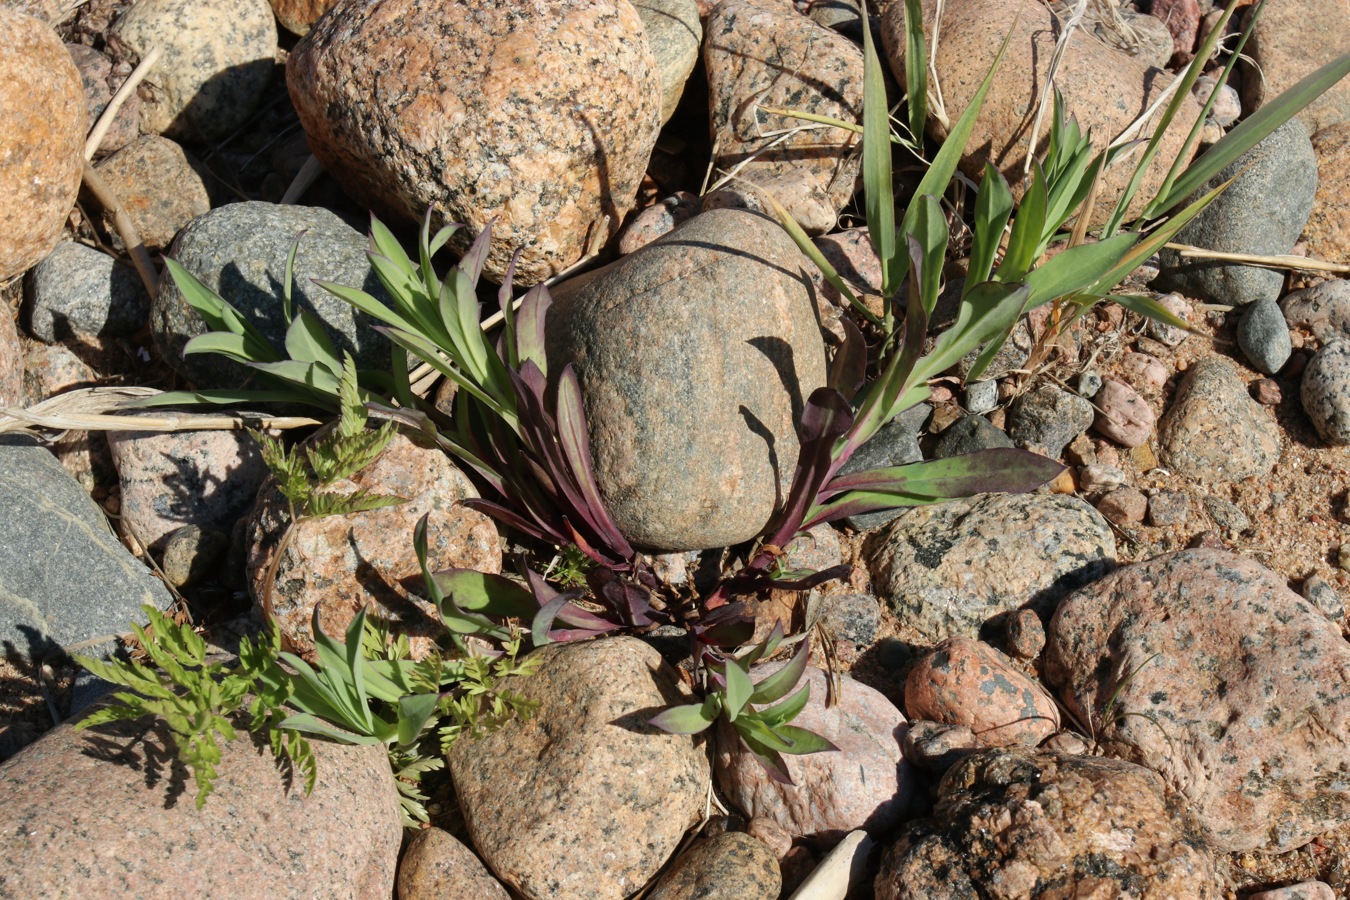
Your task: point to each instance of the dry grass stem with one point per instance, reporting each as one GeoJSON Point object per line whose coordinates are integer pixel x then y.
{"type": "Point", "coordinates": [100, 129]}
{"type": "Point", "coordinates": [1269, 262]}
{"type": "Point", "coordinates": [95, 409]}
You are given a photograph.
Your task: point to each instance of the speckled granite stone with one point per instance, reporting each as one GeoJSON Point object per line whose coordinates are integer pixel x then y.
{"type": "Point", "coordinates": [1103, 88]}
{"type": "Point", "coordinates": [109, 813]}
{"type": "Point", "coordinates": [1290, 40]}
{"type": "Point", "coordinates": [1048, 418]}
{"type": "Point", "coordinates": [298, 16]}
{"type": "Point", "coordinates": [159, 189]}
{"type": "Point", "coordinates": [239, 251]}
{"type": "Point", "coordinates": [216, 60]}
{"type": "Point", "coordinates": [867, 784]}
{"type": "Point", "coordinates": [1263, 336]}
{"type": "Point", "coordinates": [728, 866]}
{"type": "Point", "coordinates": [182, 478]}
{"type": "Point", "coordinates": [80, 292]}
{"type": "Point", "coordinates": [949, 568]}
{"type": "Point", "coordinates": [96, 75]}
{"type": "Point", "coordinates": [1019, 825]}
{"type": "Point", "coordinates": [541, 114]}
{"type": "Point", "coordinates": [674, 32]}
{"type": "Point", "coordinates": [64, 576]}
{"type": "Point", "coordinates": [343, 563]}
{"type": "Point", "coordinates": [1322, 310]}
{"type": "Point", "coordinates": [1239, 697]}
{"type": "Point", "coordinates": [1122, 415]}
{"type": "Point", "coordinates": [696, 354]}
{"type": "Point", "coordinates": [11, 362]}
{"type": "Point", "coordinates": [1328, 228]}
{"type": "Point", "coordinates": [761, 53]}
{"type": "Point", "coordinates": [540, 795]}
{"type": "Point", "coordinates": [42, 129]}
{"type": "Point", "coordinates": [437, 867]}
{"type": "Point", "coordinates": [967, 682]}
{"type": "Point", "coordinates": [1326, 392]}
{"type": "Point", "coordinates": [1214, 430]}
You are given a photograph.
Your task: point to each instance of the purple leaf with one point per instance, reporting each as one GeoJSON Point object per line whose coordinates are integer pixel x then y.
{"type": "Point", "coordinates": [471, 263]}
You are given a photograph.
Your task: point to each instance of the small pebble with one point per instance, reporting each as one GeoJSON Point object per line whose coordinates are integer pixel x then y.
{"type": "Point", "coordinates": [1145, 372]}
{"type": "Point", "coordinates": [1122, 415]}
{"type": "Point", "coordinates": [1264, 337]}
{"type": "Point", "coordinates": [1266, 391]}
{"type": "Point", "coordinates": [1343, 557]}
{"type": "Point", "coordinates": [1080, 451]}
{"type": "Point", "coordinates": [1066, 742]}
{"type": "Point", "coordinates": [1167, 508]}
{"type": "Point", "coordinates": [1319, 592]}
{"type": "Point", "coordinates": [981, 397]}
{"type": "Point", "coordinates": [1088, 383]}
{"type": "Point", "coordinates": [1063, 483]}
{"type": "Point", "coordinates": [192, 554]}
{"type": "Point", "coordinates": [1026, 634]}
{"type": "Point", "coordinates": [773, 835]}
{"type": "Point", "coordinates": [1298, 361]}
{"type": "Point", "coordinates": [1096, 479]}
{"type": "Point", "coordinates": [935, 746]}
{"type": "Point", "coordinates": [1171, 335]}
{"type": "Point", "coordinates": [1326, 392]}
{"type": "Point", "coordinates": [1304, 890]}
{"type": "Point", "coordinates": [1206, 540]}
{"type": "Point", "coordinates": [1124, 506]}
{"type": "Point", "coordinates": [1226, 515]}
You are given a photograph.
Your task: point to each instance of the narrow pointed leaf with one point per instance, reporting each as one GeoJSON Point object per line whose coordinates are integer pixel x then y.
{"type": "Point", "coordinates": [693, 718]}
{"type": "Point", "coordinates": [993, 208]}
{"type": "Point", "coordinates": [739, 689]}
{"type": "Point", "coordinates": [777, 685]}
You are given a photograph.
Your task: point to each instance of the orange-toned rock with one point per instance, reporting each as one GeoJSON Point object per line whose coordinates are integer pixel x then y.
{"type": "Point", "coordinates": [342, 563]}
{"type": "Point", "coordinates": [299, 16]}
{"type": "Point", "coordinates": [1290, 40]}
{"type": "Point", "coordinates": [42, 128]}
{"type": "Point", "coordinates": [1105, 89]}
{"type": "Point", "coordinates": [542, 115]}
{"type": "Point", "coordinates": [1328, 228]}
{"type": "Point", "coordinates": [159, 188]}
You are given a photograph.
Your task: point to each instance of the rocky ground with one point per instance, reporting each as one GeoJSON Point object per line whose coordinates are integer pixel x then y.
{"type": "Point", "coordinates": [1133, 682]}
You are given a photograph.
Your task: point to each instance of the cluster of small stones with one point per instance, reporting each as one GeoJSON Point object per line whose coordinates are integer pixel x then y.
{"type": "Point", "coordinates": [1208, 704]}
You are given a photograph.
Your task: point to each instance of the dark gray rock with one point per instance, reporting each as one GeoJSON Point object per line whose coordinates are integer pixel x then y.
{"type": "Point", "coordinates": [1048, 418]}
{"type": "Point", "coordinates": [1264, 337]}
{"type": "Point", "coordinates": [970, 434]}
{"type": "Point", "coordinates": [895, 444]}
{"type": "Point", "coordinates": [1319, 592]}
{"type": "Point", "coordinates": [239, 251]}
{"type": "Point", "coordinates": [1262, 212]}
{"type": "Point", "coordinates": [937, 746]}
{"type": "Point", "coordinates": [79, 292]}
{"type": "Point", "coordinates": [1326, 392]}
{"type": "Point", "coordinates": [1214, 430]}
{"type": "Point", "coordinates": [192, 554]}
{"type": "Point", "coordinates": [1226, 515]}
{"type": "Point", "coordinates": [949, 568]}
{"type": "Point", "coordinates": [696, 355]}
{"type": "Point", "coordinates": [852, 617]}
{"type": "Point", "coordinates": [65, 579]}
{"type": "Point", "coordinates": [728, 866]}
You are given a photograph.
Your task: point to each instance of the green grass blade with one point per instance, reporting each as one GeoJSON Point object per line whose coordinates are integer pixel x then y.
{"type": "Point", "coordinates": [879, 198]}
{"type": "Point", "coordinates": [993, 208]}
{"type": "Point", "coordinates": [812, 252]}
{"type": "Point", "coordinates": [916, 66]}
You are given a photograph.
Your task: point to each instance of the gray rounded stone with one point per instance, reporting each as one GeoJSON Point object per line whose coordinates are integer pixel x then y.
{"type": "Point", "coordinates": [239, 251]}
{"type": "Point", "coordinates": [1322, 310]}
{"type": "Point", "coordinates": [970, 434]}
{"type": "Point", "coordinates": [895, 444]}
{"type": "Point", "coordinates": [853, 617]}
{"type": "Point", "coordinates": [1326, 392]}
{"type": "Point", "coordinates": [79, 292]}
{"type": "Point", "coordinates": [1049, 417]}
{"type": "Point", "coordinates": [949, 568]}
{"type": "Point", "coordinates": [1262, 212]}
{"type": "Point", "coordinates": [192, 554]}
{"type": "Point", "coordinates": [674, 33]}
{"type": "Point", "coordinates": [1214, 431]}
{"type": "Point", "coordinates": [696, 355]}
{"type": "Point", "coordinates": [1264, 337]}
{"type": "Point", "coordinates": [981, 396]}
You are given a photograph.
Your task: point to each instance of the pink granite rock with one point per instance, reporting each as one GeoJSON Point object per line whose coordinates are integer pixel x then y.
{"type": "Point", "coordinates": [436, 866]}
{"type": "Point", "coordinates": [584, 800]}
{"type": "Point", "coordinates": [1290, 40]}
{"type": "Point", "coordinates": [42, 129]}
{"type": "Point", "coordinates": [11, 362]}
{"type": "Point", "coordinates": [173, 479]}
{"type": "Point", "coordinates": [967, 682]}
{"type": "Point", "coordinates": [1182, 18]}
{"type": "Point", "coordinates": [340, 564]}
{"type": "Point", "coordinates": [765, 54]}
{"type": "Point", "coordinates": [1123, 415]}
{"type": "Point", "coordinates": [541, 115]}
{"type": "Point", "coordinates": [728, 866]}
{"type": "Point", "coordinates": [1304, 890]}
{"type": "Point", "coordinates": [1145, 372]}
{"type": "Point", "coordinates": [96, 74]}
{"type": "Point", "coordinates": [159, 188]}
{"type": "Point", "coordinates": [658, 220]}
{"type": "Point", "coordinates": [1205, 667]}
{"type": "Point", "coordinates": [1328, 229]}
{"type": "Point", "coordinates": [1214, 431]}
{"type": "Point", "coordinates": [867, 784]}
{"type": "Point", "coordinates": [109, 812]}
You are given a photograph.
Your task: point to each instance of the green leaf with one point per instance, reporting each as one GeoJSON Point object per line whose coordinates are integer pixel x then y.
{"type": "Point", "coordinates": [1077, 269]}
{"type": "Point", "coordinates": [368, 305]}
{"type": "Point", "coordinates": [306, 341]}
{"type": "Point", "coordinates": [1028, 226]}
{"type": "Point", "coordinates": [803, 741]}
{"type": "Point", "coordinates": [930, 231]}
{"type": "Point", "coordinates": [812, 252]}
{"type": "Point", "coordinates": [288, 282]}
{"type": "Point", "coordinates": [916, 67]}
{"type": "Point", "coordinates": [993, 208]}
{"type": "Point", "coordinates": [780, 714]}
{"type": "Point", "coordinates": [691, 719]}
{"type": "Point", "coordinates": [1152, 309]}
{"type": "Point", "coordinates": [879, 199]}
{"type": "Point", "coordinates": [785, 679]}
{"type": "Point", "coordinates": [494, 595]}
{"type": "Point", "coordinates": [739, 689]}
{"type": "Point", "coordinates": [413, 712]}
{"type": "Point", "coordinates": [235, 346]}
{"type": "Point", "coordinates": [310, 724]}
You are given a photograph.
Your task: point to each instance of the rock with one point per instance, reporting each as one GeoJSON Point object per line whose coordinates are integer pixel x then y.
{"type": "Point", "coordinates": [160, 188]}
{"type": "Point", "coordinates": [895, 444]}
{"type": "Point", "coordinates": [1048, 825]}
{"type": "Point", "coordinates": [729, 866]}
{"type": "Point", "coordinates": [340, 564]}
{"type": "Point", "coordinates": [132, 827]}
{"type": "Point", "coordinates": [11, 362]}
{"type": "Point", "coordinates": [1088, 383]}
{"type": "Point", "coordinates": [767, 55]}
{"type": "Point", "coordinates": [1167, 508]}
{"type": "Point", "coordinates": [1098, 478]}
{"type": "Point", "coordinates": [1170, 335]}
{"type": "Point", "coordinates": [1262, 213]}
{"type": "Point", "coordinates": [1322, 310]}
{"type": "Point", "coordinates": [1326, 392]}
{"type": "Point", "coordinates": [738, 352]}
{"type": "Point", "coordinates": [1328, 229]}
{"type": "Point", "coordinates": [854, 258]}
{"type": "Point", "coordinates": [843, 16]}
{"type": "Point", "coordinates": [1182, 18]}
{"type": "Point", "coordinates": [1264, 337]}
{"type": "Point", "coordinates": [1048, 418]}
{"type": "Point", "coordinates": [1267, 392]}
{"type": "Point", "coordinates": [1226, 515]}
{"type": "Point", "coordinates": [966, 682]}
{"type": "Point", "coordinates": [799, 191]}
{"type": "Point", "coordinates": [1214, 431]}
{"type": "Point", "coordinates": [947, 569]}
{"type": "Point", "coordinates": [936, 747]}
{"type": "Point", "coordinates": [437, 866]}
{"type": "Point", "coordinates": [770, 834]}
{"type": "Point", "coordinates": [42, 131]}
{"type": "Point", "coordinates": [216, 62]}
{"type": "Point", "coordinates": [866, 784]}
{"type": "Point", "coordinates": [1283, 49]}
{"type": "Point", "coordinates": [1122, 415]}
{"type": "Point", "coordinates": [1318, 592]}
{"type": "Point", "coordinates": [171, 479]}
{"type": "Point", "coordinates": [1305, 890]}
{"type": "Point", "coordinates": [239, 251]}
{"type": "Point", "coordinates": [1145, 371]}
{"type": "Point", "coordinates": [970, 434]}
{"type": "Point", "coordinates": [1222, 680]}
{"type": "Point", "coordinates": [538, 792]}
{"type": "Point", "coordinates": [65, 579]}
{"type": "Point", "coordinates": [1227, 107]}
{"type": "Point", "coordinates": [1123, 506]}
{"type": "Point", "coordinates": [981, 397]}
{"type": "Point", "coordinates": [1026, 634]}
{"type": "Point", "coordinates": [658, 220]}
{"type": "Point", "coordinates": [96, 75]}
{"type": "Point", "coordinates": [298, 16]}
{"type": "Point", "coordinates": [852, 617]}
{"type": "Point", "coordinates": [78, 292]}
{"type": "Point", "coordinates": [674, 33]}
{"type": "Point", "coordinates": [193, 554]}
{"type": "Point", "coordinates": [541, 117]}
{"type": "Point", "coordinates": [1104, 89]}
